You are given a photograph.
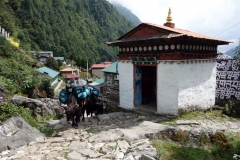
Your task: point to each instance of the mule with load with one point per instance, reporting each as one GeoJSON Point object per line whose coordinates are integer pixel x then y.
{"type": "Point", "coordinates": [78, 100]}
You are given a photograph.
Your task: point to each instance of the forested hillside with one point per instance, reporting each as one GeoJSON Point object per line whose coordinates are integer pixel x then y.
{"type": "Point", "coordinates": [16, 69]}
{"type": "Point", "coordinates": [127, 13]}
{"type": "Point", "coordinates": [70, 28]}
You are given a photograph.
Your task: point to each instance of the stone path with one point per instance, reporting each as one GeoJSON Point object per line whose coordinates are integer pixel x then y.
{"type": "Point", "coordinates": [116, 136]}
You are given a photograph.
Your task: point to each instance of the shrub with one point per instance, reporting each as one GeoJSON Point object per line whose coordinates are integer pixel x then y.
{"type": "Point", "coordinates": [8, 110]}
{"type": "Point", "coordinates": [46, 85]}
{"type": "Point", "coordinates": [220, 140]}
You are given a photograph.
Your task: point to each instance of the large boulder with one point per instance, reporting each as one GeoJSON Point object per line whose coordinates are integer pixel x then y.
{"type": "Point", "coordinates": [42, 106]}
{"type": "Point", "coordinates": [35, 106]}
{"type": "Point", "coordinates": [16, 132]}
{"type": "Point", "coordinates": [54, 105]}
{"type": "Point", "coordinates": [3, 95]}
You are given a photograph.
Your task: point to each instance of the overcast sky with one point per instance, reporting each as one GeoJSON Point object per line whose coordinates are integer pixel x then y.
{"type": "Point", "coordinates": [208, 17]}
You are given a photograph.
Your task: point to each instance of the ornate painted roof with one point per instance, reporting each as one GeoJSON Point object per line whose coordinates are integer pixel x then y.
{"type": "Point", "coordinates": [149, 31]}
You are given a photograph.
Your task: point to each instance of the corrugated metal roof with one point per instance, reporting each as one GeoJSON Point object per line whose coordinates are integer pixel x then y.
{"type": "Point", "coordinates": [49, 71]}
{"type": "Point", "coordinates": [182, 32]}
{"type": "Point", "coordinates": [111, 68]}
{"type": "Point", "coordinates": [41, 52]}
{"type": "Point", "coordinates": [68, 70]}
{"type": "Point", "coordinates": [97, 82]}
{"type": "Point", "coordinates": [59, 58]}
{"type": "Point", "coordinates": [101, 65]}
{"type": "Point", "coordinates": [101, 80]}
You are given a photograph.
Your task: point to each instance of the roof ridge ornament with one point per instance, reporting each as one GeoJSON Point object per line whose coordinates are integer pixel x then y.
{"type": "Point", "coordinates": [169, 17]}
{"type": "Point", "coordinates": [169, 20]}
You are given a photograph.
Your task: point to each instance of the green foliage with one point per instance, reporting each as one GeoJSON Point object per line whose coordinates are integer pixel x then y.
{"type": "Point", "coordinates": [52, 63]}
{"type": "Point", "coordinates": [59, 64]}
{"type": "Point", "coordinates": [170, 150]}
{"type": "Point", "coordinates": [46, 86]}
{"type": "Point", "coordinates": [231, 106]}
{"type": "Point", "coordinates": [68, 28]}
{"type": "Point", "coordinates": [237, 50]}
{"type": "Point", "coordinates": [127, 13]}
{"type": "Point", "coordinates": [5, 50]}
{"type": "Point", "coordinates": [19, 76]}
{"type": "Point", "coordinates": [8, 84]}
{"type": "Point", "coordinates": [8, 110]}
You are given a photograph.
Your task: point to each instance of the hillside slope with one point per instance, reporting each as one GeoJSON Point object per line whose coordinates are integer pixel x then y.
{"type": "Point", "coordinates": [127, 13]}
{"type": "Point", "coordinates": [231, 52]}
{"type": "Point", "coordinates": [70, 28]}
{"type": "Point", "coordinates": [16, 69]}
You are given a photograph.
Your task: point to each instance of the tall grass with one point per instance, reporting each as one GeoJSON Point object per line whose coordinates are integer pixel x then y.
{"type": "Point", "coordinates": [170, 150]}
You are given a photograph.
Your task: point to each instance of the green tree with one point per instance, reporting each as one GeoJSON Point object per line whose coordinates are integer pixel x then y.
{"type": "Point", "coordinates": [104, 58]}
{"type": "Point", "coordinates": [83, 63]}
{"type": "Point", "coordinates": [5, 49]}
{"type": "Point", "coordinates": [237, 50]}
{"type": "Point", "coordinates": [52, 63]}
{"type": "Point", "coordinates": [78, 62]}
{"type": "Point", "coordinates": [85, 26]}
{"type": "Point", "coordinates": [60, 63]}
{"type": "Point", "coordinates": [46, 85]}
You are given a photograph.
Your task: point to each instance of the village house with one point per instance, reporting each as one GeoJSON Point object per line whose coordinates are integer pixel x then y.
{"type": "Point", "coordinates": [70, 73]}
{"type": "Point", "coordinates": [96, 69]}
{"type": "Point", "coordinates": [168, 69]}
{"type": "Point", "coordinates": [45, 71]}
{"type": "Point", "coordinates": [42, 56]}
{"type": "Point", "coordinates": [110, 73]}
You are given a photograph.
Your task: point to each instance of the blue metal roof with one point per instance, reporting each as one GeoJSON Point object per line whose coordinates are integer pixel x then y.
{"type": "Point", "coordinates": [48, 71]}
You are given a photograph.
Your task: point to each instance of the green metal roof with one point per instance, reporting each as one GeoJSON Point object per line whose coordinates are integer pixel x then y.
{"type": "Point", "coordinates": [111, 68]}
{"type": "Point", "coordinates": [59, 58]}
{"type": "Point", "coordinates": [97, 82]}
{"type": "Point", "coordinates": [49, 71]}
{"type": "Point", "coordinates": [100, 81]}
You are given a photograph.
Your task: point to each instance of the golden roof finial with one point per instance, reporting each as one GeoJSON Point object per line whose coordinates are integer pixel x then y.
{"type": "Point", "coordinates": [169, 17]}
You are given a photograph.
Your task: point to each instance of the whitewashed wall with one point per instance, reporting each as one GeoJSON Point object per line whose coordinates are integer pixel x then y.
{"type": "Point", "coordinates": [197, 83]}
{"type": "Point", "coordinates": [167, 88]}
{"type": "Point", "coordinates": [126, 85]}
{"type": "Point", "coordinates": [185, 86]}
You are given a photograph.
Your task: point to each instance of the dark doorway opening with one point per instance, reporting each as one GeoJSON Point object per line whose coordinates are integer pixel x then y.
{"type": "Point", "coordinates": [149, 84]}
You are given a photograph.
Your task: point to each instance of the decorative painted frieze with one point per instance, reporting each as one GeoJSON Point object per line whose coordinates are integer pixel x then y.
{"type": "Point", "coordinates": [167, 48]}
{"type": "Point", "coordinates": [170, 56]}
{"type": "Point", "coordinates": [187, 61]}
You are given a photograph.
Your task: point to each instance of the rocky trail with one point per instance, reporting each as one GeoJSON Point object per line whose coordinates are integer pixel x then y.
{"type": "Point", "coordinates": [120, 135]}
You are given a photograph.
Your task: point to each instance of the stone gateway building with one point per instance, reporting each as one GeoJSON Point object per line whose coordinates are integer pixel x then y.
{"type": "Point", "coordinates": [166, 68]}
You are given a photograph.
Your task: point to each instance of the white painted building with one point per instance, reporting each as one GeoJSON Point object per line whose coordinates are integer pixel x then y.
{"type": "Point", "coordinates": [169, 69]}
